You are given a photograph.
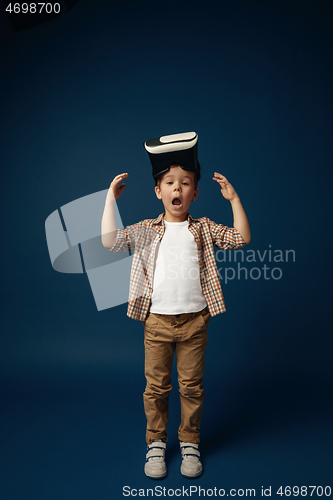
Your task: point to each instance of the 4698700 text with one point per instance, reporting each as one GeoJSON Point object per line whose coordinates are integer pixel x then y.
{"type": "Point", "coordinates": [295, 491]}
{"type": "Point", "coordinates": [33, 8]}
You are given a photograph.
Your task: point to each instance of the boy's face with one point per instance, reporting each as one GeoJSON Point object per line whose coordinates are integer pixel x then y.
{"type": "Point", "coordinates": [177, 190]}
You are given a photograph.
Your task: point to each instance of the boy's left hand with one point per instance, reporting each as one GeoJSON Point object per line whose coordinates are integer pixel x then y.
{"type": "Point", "coordinates": [227, 189]}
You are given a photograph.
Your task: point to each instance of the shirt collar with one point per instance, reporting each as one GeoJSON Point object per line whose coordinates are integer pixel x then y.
{"type": "Point", "coordinates": [160, 220]}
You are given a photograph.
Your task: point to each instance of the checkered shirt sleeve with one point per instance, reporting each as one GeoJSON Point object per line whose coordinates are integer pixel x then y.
{"type": "Point", "coordinates": [125, 240]}
{"type": "Point", "coordinates": [227, 238]}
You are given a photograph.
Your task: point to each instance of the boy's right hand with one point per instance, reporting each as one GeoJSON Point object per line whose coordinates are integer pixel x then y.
{"type": "Point", "coordinates": [114, 189]}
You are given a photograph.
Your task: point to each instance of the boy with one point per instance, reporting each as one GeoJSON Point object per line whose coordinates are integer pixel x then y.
{"type": "Point", "coordinates": [174, 290]}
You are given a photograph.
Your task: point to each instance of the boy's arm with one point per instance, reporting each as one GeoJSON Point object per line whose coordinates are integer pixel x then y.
{"type": "Point", "coordinates": [109, 229]}
{"type": "Point", "coordinates": [240, 219]}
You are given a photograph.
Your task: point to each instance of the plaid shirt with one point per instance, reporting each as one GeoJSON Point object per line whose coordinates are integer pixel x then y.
{"type": "Point", "coordinates": [143, 237]}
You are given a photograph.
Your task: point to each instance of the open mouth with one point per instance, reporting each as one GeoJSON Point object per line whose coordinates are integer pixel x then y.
{"type": "Point", "coordinates": [176, 201]}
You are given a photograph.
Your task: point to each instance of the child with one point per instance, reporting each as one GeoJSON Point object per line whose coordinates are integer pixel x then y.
{"type": "Point", "coordinates": [174, 290]}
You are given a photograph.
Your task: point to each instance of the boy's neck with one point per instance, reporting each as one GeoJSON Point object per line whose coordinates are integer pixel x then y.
{"type": "Point", "coordinates": [171, 218]}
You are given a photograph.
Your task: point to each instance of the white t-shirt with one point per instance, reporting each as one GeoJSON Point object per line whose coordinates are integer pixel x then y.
{"type": "Point", "coordinates": [177, 287]}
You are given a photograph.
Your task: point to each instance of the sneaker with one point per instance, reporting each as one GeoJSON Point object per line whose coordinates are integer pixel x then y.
{"type": "Point", "coordinates": [155, 466]}
{"type": "Point", "coordinates": [191, 466]}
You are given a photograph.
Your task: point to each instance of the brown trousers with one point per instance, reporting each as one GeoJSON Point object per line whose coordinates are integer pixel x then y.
{"type": "Point", "coordinates": [186, 335]}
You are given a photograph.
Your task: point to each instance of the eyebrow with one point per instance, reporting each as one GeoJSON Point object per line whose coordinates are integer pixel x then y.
{"type": "Point", "coordinates": [172, 175]}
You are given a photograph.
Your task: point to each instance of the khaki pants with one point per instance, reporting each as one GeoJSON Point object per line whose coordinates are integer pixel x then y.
{"type": "Point", "coordinates": [186, 335]}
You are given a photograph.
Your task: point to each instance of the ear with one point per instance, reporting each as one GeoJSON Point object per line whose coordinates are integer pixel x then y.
{"type": "Point", "coordinates": [158, 192]}
{"type": "Point", "coordinates": [195, 195]}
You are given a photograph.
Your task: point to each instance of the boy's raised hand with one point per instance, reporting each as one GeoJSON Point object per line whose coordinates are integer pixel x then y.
{"type": "Point", "coordinates": [227, 190]}
{"type": "Point", "coordinates": [115, 189]}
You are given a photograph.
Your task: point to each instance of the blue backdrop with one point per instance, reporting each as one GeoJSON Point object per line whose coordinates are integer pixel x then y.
{"type": "Point", "coordinates": [79, 96]}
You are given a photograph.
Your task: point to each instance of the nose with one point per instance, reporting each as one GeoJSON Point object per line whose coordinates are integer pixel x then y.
{"type": "Point", "coordinates": [177, 186]}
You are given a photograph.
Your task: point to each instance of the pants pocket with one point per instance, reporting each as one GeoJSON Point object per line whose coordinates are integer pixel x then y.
{"type": "Point", "coordinates": [205, 315]}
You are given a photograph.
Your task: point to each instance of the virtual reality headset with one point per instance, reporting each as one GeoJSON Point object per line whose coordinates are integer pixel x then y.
{"type": "Point", "coordinates": [176, 149]}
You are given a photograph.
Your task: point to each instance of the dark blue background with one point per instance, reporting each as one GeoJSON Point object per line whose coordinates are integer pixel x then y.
{"type": "Point", "coordinates": [79, 95]}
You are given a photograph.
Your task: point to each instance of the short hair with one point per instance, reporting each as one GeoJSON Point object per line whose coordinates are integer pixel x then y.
{"type": "Point", "coordinates": [158, 179]}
